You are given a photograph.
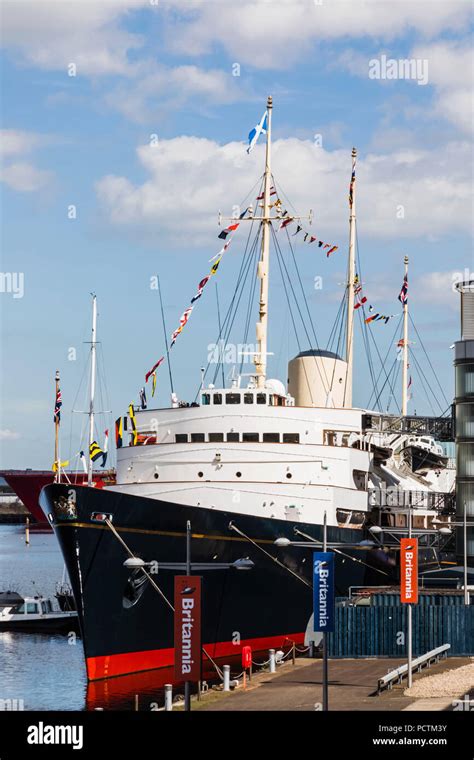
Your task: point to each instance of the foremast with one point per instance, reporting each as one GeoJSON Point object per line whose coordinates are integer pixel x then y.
{"type": "Point", "coordinates": [92, 386]}
{"type": "Point", "coordinates": [405, 348]}
{"type": "Point", "coordinates": [263, 265]}
{"type": "Point", "coordinates": [350, 288]}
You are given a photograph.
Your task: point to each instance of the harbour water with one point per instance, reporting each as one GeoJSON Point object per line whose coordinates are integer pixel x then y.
{"type": "Point", "coordinates": [46, 671]}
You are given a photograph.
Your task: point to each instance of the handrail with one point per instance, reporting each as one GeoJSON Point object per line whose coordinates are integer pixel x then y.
{"type": "Point", "coordinates": [388, 680]}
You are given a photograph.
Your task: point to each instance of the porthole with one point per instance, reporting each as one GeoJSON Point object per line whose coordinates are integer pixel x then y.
{"type": "Point", "coordinates": [200, 474]}
{"type": "Point", "coordinates": [156, 476]}
{"type": "Point", "coordinates": [289, 475]}
{"type": "Point", "coordinates": [238, 474]}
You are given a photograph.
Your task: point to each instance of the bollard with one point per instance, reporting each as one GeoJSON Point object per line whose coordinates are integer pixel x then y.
{"type": "Point", "coordinates": [226, 670]}
{"type": "Point", "coordinates": [168, 697]}
{"type": "Point", "coordinates": [27, 531]}
{"type": "Point", "coordinates": [136, 702]}
{"type": "Point", "coordinates": [311, 650]}
{"type": "Point", "coordinates": [271, 655]}
{"type": "Point", "coordinates": [293, 656]}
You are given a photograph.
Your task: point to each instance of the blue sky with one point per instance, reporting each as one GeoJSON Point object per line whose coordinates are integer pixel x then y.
{"type": "Point", "coordinates": [168, 70]}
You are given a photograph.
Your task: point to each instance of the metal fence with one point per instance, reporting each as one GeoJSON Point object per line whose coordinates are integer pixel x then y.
{"type": "Point", "coordinates": [381, 631]}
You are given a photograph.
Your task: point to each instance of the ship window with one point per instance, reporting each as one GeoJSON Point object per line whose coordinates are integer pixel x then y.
{"type": "Point", "coordinates": [289, 475]}
{"type": "Point", "coordinates": [200, 474]}
{"type": "Point", "coordinates": [291, 437]}
{"type": "Point", "coordinates": [250, 437]}
{"type": "Point", "coordinates": [216, 437]}
{"type": "Point", "coordinates": [239, 474]}
{"type": "Point", "coordinates": [205, 399]}
{"type": "Point", "coordinates": [217, 398]}
{"type": "Point", "coordinates": [232, 398]}
{"type": "Point", "coordinates": [232, 436]}
{"type": "Point", "coordinates": [181, 437]}
{"type": "Point", "coordinates": [46, 607]}
{"type": "Point", "coordinates": [271, 437]}
{"type": "Point", "coordinates": [360, 479]}
{"type": "Point", "coordinates": [197, 437]}
{"type": "Point", "coordinates": [31, 608]}
{"type": "Point", "coordinates": [248, 398]}
{"type": "Point", "coordinates": [261, 398]}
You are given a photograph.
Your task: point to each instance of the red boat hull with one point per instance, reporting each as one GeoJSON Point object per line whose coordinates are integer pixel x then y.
{"type": "Point", "coordinates": [28, 484]}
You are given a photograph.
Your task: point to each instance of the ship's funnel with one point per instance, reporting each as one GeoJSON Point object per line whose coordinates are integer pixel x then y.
{"type": "Point", "coordinates": [317, 378]}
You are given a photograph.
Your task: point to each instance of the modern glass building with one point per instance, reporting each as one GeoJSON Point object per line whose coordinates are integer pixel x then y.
{"type": "Point", "coordinates": [464, 368]}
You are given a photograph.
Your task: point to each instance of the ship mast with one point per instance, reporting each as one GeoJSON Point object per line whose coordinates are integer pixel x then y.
{"type": "Point", "coordinates": [405, 349]}
{"type": "Point", "coordinates": [350, 291]}
{"type": "Point", "coordinates": [93, 373]}
{"type": "Point", "coordinates": [57, 477]}
{"type": "Point", "coordinates": [263, 265]}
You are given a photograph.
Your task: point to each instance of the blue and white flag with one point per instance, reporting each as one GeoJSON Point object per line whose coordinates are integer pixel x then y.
{"type": "Point", "coordinates": [255, 133]}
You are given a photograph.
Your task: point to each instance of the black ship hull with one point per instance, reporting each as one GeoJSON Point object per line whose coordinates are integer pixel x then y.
{"type": "Point", "coordinates": [127, 630]}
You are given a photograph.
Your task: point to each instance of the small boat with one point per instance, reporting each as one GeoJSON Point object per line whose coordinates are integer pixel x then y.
{"type": "Point", "coordinates": [423, 454]}
{"type": "Point", "coordinates": [34, 614]}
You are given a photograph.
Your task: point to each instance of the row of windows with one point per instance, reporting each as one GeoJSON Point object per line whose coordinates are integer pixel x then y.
{"type": "Point", "coordinates": [237, 437]}
{"type": "Point", "coordinates": [234, 398]}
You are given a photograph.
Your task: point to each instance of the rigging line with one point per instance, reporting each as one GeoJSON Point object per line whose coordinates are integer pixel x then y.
{"type": "Point", "coordinates": [279, 257]}
{"type": "Point", "coordinates": [336, 322]}
{"type": "Point", "coordinates": [420, 376]}
{"type": "Point", "coordinates": [253, 287]}
{"type": "Point", "coordinates": [220, 327]}
{"type": "Point", "coordinates": [378, 398]}
{"type": "Point", "coordinates": [155, 585]}
{"type": "Point", "coordinates": [338, 551]}
{"type": "Point", "coordinates": [165, 335]}
{"type": "Point", "coordinates": [391, 343]}
{"type": "Point", "coordinates": [427, 356]}
{"type": "Point", "coordinates": [234, 527]}
{"type": "Point", "coordinates": [305, 300]}
{"type": "Point", "coordinates": [423, 377]}
{"type": "Point", "coordinates": [231, 321]}
{"type": "Point", "coordinates": [230, 317]}
{"type": "Point", "coordinates": [370, 332]}
{"type": "Point", "coordinates": [277, 248]}
{"type": "Point", "coordinates": [229, 308]}
{"type": "Point", "coordinates": [232, 312]}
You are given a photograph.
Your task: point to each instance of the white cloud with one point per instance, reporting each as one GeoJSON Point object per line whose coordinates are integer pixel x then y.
{"type": "Point", "coordinates": [8, 435]}
{"type": "Point", "coordinates": [190, 179]}
{"type": "Point", "coordinates": [451, 72]}
{"type": "Point", "coordinates": [158, 89]}
{"type": "Point", "coordinates": [267, 34]}
{"type": "Point", "coordinates": [22, 175]}
{"type": "Point", "coordinates": [51, 34]}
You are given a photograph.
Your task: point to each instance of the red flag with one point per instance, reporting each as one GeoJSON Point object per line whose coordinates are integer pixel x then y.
{"type": "Point", "coordinates": [153, 368]}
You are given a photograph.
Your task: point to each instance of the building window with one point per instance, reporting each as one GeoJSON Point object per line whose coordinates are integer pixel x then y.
{"type": "Point", "coordinates": [197, 437]}
{"type": "Point", "coordinates": [248, 398]}
{"type": "Point", "coordinates": [181, 437]}
{"type": "Point", "coordinates": [232, 398]}
{"type": "Point", "coordinates": [232, 437]}
{"type": "Point", "coordinates": [250, 437]}
{"type": "Point", "coordinates": [291, 437]}
{"type": "Point", "coordinates": [205, 399]}
{"type": "Point", "coordinates": [464, 380]}
{"type": "Point", "coordinates": [271, 438]}
{"type": "Point", "coordinates": [216, 437]}
{"type": "Point", "coordinates": [217, 398]}
{"type": "Point", "coordinates": [261, 398]}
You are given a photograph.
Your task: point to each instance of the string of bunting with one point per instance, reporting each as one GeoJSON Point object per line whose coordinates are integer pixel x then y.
{"type": "Point", "coordinates": [286, 220]}
{"type": "Point", "coordinates": [360, 299]}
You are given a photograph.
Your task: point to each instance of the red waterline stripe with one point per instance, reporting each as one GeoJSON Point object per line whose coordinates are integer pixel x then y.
{"type": "Point", "coordinates": [108, 666]}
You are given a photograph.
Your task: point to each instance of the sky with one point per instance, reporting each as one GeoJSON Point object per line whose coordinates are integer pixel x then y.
{"type": "Point", "coordinates": [124, 133]}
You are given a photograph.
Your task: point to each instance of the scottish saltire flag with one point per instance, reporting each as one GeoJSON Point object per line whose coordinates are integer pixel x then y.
{"type": "Point", "coordinates": [255, 133]}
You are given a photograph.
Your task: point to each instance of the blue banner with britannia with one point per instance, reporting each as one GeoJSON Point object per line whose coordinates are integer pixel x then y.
{"type": "Point", "coordinates": [323, 591]}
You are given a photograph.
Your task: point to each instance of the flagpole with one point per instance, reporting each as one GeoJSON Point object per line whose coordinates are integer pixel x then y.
{"type": "Point", "coordinates": [263, 265]}
{"type": "Point", "coordinates": [405, 348]}
{"type": "Point", "coordinates": [93, 371]}
{"type": "Point", "coordinates": [56, 432]}
{"type": "Point", "coordinates": [166, 337]}
{"type": "Point", "coordinates": [220, 328]}
{"type": "Point", "coordinates": [350, 291]}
